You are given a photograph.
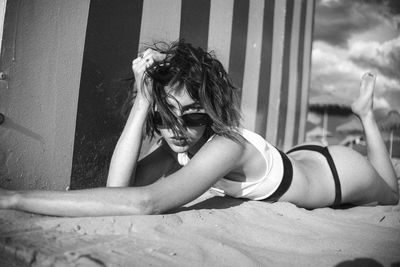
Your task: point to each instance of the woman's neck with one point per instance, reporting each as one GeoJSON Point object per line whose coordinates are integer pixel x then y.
{"type": "Point", "coordinates": [196, 147]}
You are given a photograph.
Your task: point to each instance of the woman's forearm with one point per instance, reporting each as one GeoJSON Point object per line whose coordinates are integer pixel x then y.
{"type": "Point", "coordinates": [81, 203]}
{"type": "Point", "coordinates": [126, 153]}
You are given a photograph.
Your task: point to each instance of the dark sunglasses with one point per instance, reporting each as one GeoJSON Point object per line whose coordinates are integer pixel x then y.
{"type": "Point", "coordinates": [195, 119]}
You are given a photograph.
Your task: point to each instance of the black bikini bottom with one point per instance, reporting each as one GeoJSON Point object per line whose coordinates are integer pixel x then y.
{"type": "Point", "coordinates": [325, 152]}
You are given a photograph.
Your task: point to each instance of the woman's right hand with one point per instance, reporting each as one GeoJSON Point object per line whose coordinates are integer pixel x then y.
{"type": "Point", "coordinates": [139, 67]}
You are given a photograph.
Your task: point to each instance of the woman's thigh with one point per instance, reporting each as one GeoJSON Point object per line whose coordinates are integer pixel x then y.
{"type": "Point", "coordinates": [313, 185]}
{"type": "Point", "coordinates": [360, 182]}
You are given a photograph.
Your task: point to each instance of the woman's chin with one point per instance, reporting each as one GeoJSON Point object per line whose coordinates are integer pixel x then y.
{"type": "Point", "coordinates": [179, 149]}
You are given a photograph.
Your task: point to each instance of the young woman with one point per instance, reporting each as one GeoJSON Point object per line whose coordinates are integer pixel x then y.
{"type": "Point", "coordinates": [185, 96]}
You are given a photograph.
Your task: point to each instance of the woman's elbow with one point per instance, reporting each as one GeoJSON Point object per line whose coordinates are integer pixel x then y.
{"type": "Point", "coordinates": [147, 204]}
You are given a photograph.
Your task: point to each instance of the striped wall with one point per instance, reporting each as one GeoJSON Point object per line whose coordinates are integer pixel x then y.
{"type": "Point", "coordinates": [264, 45]}
{"type": "Point", "coordinates": [2, 15]}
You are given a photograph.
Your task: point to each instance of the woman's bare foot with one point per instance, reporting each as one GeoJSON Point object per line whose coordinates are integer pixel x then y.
{"type": "Point", "coordinates": [362, 107]}
{"type": "Point", "coordinates": [377, 153]}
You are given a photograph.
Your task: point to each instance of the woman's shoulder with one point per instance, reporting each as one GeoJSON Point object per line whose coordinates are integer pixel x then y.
{"type": "Point", "coordinates": [250, 142]}
{"type": "Point", "coordinates": [221, 153]}
{"type": "Point", "coordinates": [242, 136]}
{"type": "Point", "coordinates": [220, 141]}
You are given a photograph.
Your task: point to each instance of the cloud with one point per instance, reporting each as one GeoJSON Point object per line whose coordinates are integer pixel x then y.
{"type": "Point", "coordinates": [393, 98]}
{"type": "Point", "coordinates": [391, 11]}
{"type": "Point", "coordinates": [338, 71]}
{"type": "Point", "coordinates": [337, 21]}
{"type": "Point", "coordinates": [333, 72]}
{"type": "Point", "coordinates": [364, 37]}
{"type": "Point", "coordinates": [381, 103]}
{"type": "Point", "coordinates": [383, 58]}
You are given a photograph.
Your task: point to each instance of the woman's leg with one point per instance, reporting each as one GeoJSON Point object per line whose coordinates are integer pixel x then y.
{"type": "Point", "coordinates": [376, 148]}
{"type": "Point", "coordinates": [366, 180]}
{"type": "Point", "coordinates": [363, 180]}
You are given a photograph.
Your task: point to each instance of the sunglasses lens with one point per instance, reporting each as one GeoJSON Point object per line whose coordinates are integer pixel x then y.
{"type": "Point", "coordinates": [190, 120]}
{"type": "Point", "coordinates": [195, 119]}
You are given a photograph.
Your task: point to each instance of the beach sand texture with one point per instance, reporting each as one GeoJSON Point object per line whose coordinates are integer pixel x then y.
{"type": "Point", "coordinates": [211, 231]}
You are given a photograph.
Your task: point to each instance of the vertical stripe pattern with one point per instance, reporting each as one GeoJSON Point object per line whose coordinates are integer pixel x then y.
{"type": "Point", "coordinates": [265, 69]}
{"type": "Point", "coordinates": [3, 4]}
{"type": "Point", "coordinates": [275, 86]}
{"type": "Point", "coordinates": [238, 41]}
{"type": "Point", "coordinates": [264, 45]}
{"type": "Point", "coordinates": [287, 128]}
{"type": "Point", "coordinates": [299, 73]}
{"type": "Point", "coordinates": [306, 68]}
{"type": "Point", "coordinates": [284, 90]}
{"type": "Point", "coordinates": [165, 26]}
{"type": "Point", "coordinates": [110, 47]}
{"type": "Point", "coordinates": [251, 77]}
{"type": "Point", "coordinates": [195, 15]}
{"type": "Point", "coordinates": [220, 30]}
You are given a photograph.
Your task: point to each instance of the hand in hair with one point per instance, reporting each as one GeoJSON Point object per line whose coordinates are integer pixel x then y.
{"type": "Point", "coordinates": [139, 67]}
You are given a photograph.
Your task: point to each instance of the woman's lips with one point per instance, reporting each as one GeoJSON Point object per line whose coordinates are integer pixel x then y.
{"type": "Point", "coordinates": [179, 141]}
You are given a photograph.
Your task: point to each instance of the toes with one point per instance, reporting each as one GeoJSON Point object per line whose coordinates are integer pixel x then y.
{"type": "Point", "coordinates": [368, 75]}
{"type": "Point", "coordinates": [362, 106]}
{"type": "Point", "coordinates": [367, 84]}
{"type": "Point", "coordinates": [368, 78]}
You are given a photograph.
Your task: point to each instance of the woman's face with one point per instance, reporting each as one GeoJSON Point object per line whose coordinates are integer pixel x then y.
{"type": "Point", "coordinates": [184, 104]}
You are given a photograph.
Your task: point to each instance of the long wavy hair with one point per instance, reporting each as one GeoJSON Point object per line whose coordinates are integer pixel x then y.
{"type": "Point", "coordinates": [205, 80]}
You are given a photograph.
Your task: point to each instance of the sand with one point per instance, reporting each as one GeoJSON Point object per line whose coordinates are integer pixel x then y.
{"type": "Point", "coordinates": [211, 231]}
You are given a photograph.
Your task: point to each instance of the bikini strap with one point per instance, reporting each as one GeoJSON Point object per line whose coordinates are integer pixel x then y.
{"type": "Point", "coordinates": [325, 152]}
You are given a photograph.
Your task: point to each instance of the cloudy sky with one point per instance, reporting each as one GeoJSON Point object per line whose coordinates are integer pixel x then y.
{"type": "Point", "coordinates": [352, 37]}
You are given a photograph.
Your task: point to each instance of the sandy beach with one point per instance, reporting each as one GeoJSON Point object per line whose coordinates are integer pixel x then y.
{"type": "Point", "coordinates": [211, 231]}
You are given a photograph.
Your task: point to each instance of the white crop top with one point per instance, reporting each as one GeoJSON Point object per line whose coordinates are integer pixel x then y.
{"type": "Point", "coordinates": [262, 187]}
